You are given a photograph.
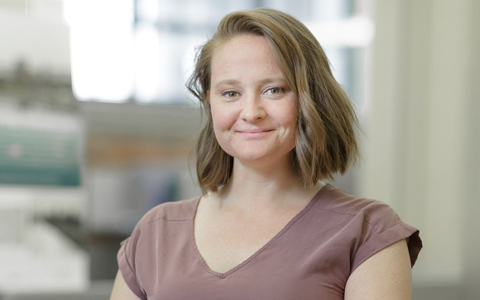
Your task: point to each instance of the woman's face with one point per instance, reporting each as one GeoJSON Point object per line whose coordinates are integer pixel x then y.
{"type": "Point", "coordinates": [254, 112]}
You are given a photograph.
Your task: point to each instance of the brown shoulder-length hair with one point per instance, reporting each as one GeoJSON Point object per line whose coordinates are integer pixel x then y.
{"type": "Point", "coordinates": [325, 137]}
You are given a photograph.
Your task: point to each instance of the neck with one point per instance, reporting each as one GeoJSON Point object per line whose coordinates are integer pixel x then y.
{"type": "Point", "coordinates": [258, 185]}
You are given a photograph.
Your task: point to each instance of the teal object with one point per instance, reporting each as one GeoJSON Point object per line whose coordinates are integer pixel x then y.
{"type": "Point", "coordinates": [31, 156]}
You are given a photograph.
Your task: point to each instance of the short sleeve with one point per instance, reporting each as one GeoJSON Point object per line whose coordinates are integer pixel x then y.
{"type": "Point", "coordinates": [381, 228]}
{"type": "Point", "coordinates": [127, 264]}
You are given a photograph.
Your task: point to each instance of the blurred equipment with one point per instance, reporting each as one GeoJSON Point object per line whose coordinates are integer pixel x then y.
{"type": "Point", "coordinates": [41, 159]}
{"type": "Point", "coordinates": [39, 147]}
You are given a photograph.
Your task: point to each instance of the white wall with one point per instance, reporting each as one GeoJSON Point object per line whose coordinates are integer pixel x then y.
{"type": "Point", "coordinates": [420, 133]}
{"type": "Point", "coordinates": [34, 31]}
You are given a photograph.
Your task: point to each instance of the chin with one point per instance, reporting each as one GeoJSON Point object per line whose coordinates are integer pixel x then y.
{"type": "Point", "coordinates": [264, 158]}
{"type": "Point", "coordinates": [255, 154]}
{"type": "Point", "coordinates": [247, 157]}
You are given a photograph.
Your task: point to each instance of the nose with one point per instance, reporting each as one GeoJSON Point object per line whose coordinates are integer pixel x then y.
{"type": "Point", "coordinates": [253, 109]}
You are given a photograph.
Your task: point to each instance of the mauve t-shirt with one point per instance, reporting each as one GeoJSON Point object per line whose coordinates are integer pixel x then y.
{"type": "Point", "coordinates": [310, 258]}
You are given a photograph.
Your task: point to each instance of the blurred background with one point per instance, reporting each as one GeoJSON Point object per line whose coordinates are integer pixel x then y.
{"type": "Point", "coordinates": [96, 127]}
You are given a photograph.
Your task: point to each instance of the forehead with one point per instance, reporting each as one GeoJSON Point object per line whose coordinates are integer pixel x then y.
{"type": "Point", "coordinates": [245, 54]}
{"type": "Point", "coordinates": [239, 38]}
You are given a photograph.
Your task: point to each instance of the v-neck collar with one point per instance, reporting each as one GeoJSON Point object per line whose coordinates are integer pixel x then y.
{"type": "Point", "coordinates": [256, 253]}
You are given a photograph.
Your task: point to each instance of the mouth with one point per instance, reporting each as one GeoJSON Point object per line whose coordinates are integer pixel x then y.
{"type": "Point", "coordinates": [254, 133]}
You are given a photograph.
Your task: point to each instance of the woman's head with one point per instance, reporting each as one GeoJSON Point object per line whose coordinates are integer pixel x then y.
{"type": "Point", "coordinates": [325, 139]}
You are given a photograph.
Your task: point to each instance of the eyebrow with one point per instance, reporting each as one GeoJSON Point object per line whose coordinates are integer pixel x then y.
{"type": "Point", "coordinates": [264, 81]}
{"type": "Point", "coordinates": [228, 81]}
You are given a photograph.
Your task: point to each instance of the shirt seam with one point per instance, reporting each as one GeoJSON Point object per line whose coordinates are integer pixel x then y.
{"type": "Point", "coordinates": [353, 215]}
{"type": "Point", "coordinates": [164, 218]}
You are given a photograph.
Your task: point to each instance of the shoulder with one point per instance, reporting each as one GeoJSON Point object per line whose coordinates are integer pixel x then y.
{"type": "Point", "coordinates": [339, 202]}
{"type": "Point", "coordinates": [371, 225]}
{"type": "Point", "coordinates": [155, 235]}
{"type": "Point", "coordinates": [164, 220]}
{"type": "Point", "coordinates": [171, 211]}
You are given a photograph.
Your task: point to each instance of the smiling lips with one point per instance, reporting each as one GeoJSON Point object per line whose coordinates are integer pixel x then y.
{"type": "Point", "coordinates": [254, 133]}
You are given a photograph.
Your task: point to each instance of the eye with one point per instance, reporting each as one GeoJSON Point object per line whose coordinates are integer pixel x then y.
{"type": "Point", "coordinates": [230, 94]}
{"type": "Point", "coordinates": [275, 90]}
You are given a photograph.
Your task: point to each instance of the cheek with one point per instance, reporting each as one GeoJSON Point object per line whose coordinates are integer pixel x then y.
{"type": "Point", "coordinates": [290, 115]}
{"type": "Point", "coordinates": [289, 121]}
{"type": "Point", "coordinates": [221, 119]}
{"type": "Point", "coordinates": [292, 118]}
{"type": "Point", "coordinates": [221, 127]}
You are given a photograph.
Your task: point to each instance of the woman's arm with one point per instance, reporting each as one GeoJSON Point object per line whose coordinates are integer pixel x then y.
{"type": "Point", "coordinates": [385, 275]}
{"type": "Point", "coordinates": [121, 291]}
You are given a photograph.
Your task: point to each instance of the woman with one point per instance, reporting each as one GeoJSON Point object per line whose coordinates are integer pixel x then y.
{"type": "Point", "coordinates": [266, 227]}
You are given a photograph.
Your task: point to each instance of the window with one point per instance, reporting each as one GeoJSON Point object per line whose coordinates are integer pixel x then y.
{"type": "Point", "coordinates": [143, 50]}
